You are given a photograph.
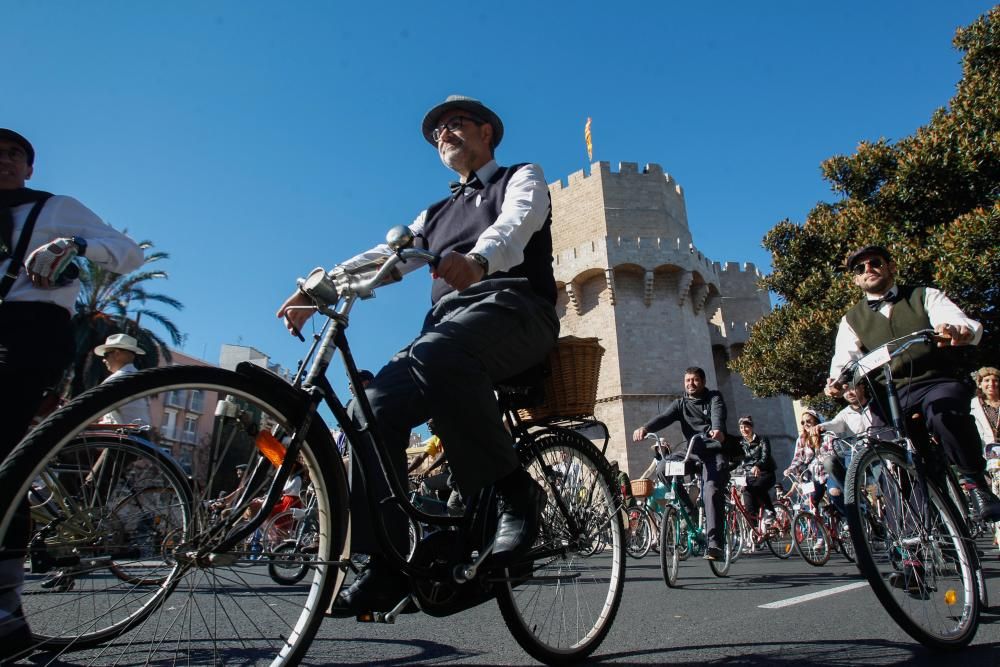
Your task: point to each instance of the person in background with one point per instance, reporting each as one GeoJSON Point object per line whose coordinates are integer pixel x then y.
{"type": "Point", "coordinates": [760, 467]}
{"type": "Point", "coordinates": [118, 352]}
{"type": "Point", "coordinates": [37, 296]}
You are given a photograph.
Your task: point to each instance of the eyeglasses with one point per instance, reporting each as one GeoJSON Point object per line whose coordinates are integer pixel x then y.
{"type": "Point", "coordinates": [806, 422]}
{"type": "Point", "coordinates": [14, 154]}
{"type": "Point", "coordinates": [875, 263]}
{"type": "Point", "coordinates": [454, 123]}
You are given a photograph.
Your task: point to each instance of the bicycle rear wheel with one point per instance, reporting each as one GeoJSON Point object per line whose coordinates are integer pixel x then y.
{"type": "Point", "coordinates": [210, 605]}
{"type": "Point", "coordinates": [562, 610]}
{"type": "Point", "coordinates": [913, 548]}
{"type": "Point", "coordinates": [669, 546]}
{"type": "Point", "coordinates": [720, 568]}
{"type": "Point", "coordinates": [812, 541]}
{"type": "Point", "coordinates": [779, 534]}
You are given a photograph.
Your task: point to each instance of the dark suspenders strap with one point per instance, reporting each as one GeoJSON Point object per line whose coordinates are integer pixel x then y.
{"type": "Point", "coordinates": [17, 259]}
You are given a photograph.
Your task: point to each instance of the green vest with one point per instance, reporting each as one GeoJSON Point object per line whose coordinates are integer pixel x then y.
{"type": "Point", "coordinates": [908, 315]}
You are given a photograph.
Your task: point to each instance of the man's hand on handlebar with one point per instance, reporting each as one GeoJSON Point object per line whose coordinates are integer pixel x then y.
{"type": "Point", "coordinates": [458, 270]}
{"type": "Point", "coordinates": [833, 389]}
{"type": "Point", "coordinates": [296, 311]}
{"type": "Point", "coordinates": [953, 334]}
{"type": "Point", "coordinates": [716, 434]}
{"type": "Point", "coordinates": [639, 434]}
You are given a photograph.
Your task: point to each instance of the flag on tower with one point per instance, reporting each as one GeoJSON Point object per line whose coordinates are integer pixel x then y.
{"type": "Point", "coordinates": [590, 144]}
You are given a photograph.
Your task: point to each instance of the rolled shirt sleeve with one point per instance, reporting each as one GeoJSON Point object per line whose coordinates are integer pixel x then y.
{"type": "Point", "coordinates": [524, 211]}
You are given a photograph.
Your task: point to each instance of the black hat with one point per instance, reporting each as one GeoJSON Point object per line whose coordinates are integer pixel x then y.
{"type": "Point", "coordinates": [11, 135]}
{"type": "Point", "coordinates": [867, 250]}
{"type": "Point", "coordinates": [464, 103]}
{"type": "Point", "coordinates": [365, 376]}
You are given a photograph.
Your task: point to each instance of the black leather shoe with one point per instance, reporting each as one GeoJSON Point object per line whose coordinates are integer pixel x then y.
{"type": "Point", "coordinates": [523, 500]}
{"type": "Point", "coordinates": [714, 553]}
{"type": "Point", "coordinates": [985, 504]}
{"type": "Point", "coordinates": [377, 588]}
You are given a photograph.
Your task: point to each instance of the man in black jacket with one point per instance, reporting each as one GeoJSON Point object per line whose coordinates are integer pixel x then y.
{"type": "Point", "coordinates": [702, 416]}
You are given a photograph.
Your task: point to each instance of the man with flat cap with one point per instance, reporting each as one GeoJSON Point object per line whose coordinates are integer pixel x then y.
{"type": "Point", "coordinates": [889, 311]}
{"type": "Point", "coordinates": [40, 235]}
{"type": "Point", "coordinates": [492, 317]}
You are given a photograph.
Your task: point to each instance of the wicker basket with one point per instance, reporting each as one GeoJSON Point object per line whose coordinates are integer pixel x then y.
{"type": "Point", "coordinates": [642, 488]}
{"type": "Point", "coordinates": [571, 386]}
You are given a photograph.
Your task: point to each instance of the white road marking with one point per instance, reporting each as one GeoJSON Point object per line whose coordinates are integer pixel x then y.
{"type": "Point", "coordinates": [812, 596]}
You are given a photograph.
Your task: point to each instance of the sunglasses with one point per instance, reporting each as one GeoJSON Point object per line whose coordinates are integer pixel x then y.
{"type": "Point", "coordinates": [875, 263]}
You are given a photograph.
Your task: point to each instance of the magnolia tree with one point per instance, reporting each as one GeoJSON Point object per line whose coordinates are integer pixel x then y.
{"type": "Point", "coordinates": [932, 198]}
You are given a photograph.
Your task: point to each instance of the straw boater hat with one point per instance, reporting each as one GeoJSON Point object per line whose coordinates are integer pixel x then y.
{"type": "Point", "coordinates": [119, 342]}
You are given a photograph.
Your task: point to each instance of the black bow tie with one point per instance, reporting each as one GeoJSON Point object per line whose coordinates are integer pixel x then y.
{"type": "Point", "coordinates": [457, 187]}
{"type": "Point", "coordinates": [876, 304]}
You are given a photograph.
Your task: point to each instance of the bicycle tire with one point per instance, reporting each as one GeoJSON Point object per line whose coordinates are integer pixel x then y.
{"type": "Point", "coordinates": [638, 537]}
{"type": "Point", "coordinates": [779, 535]}
{"type": "Point", "coordinates": [589, 590]}
{"type": "Point", "coordinates": [918, 556]}
{"type": "Point", "coordinates": [669, 543]}
{"type": "Point", "coordinates": [288, 564]}
{"type": "Point", "coordinates": [735, 532]}
{"type": "Point", "coordinates": [845, 542]}
{"type": "Point", "coordinates": [96, 520]}
{"type": "Point", "coordinates": [206, 586]}
{"type": "Point", "coordinates": [720, 568]}
{"type": "Point", "coordinates": [812, 540]}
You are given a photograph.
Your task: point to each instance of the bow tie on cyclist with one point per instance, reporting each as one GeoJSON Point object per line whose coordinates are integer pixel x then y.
{"type": "Point", "coordinates": [458, 187]}
{"type": "Point", "coordinates": [876, 304]}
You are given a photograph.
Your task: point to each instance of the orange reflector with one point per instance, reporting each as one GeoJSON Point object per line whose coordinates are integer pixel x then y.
{"type": "Point", "coordinates": [950, 597]}
{"type": "Point", "coordinates": [270, 448]}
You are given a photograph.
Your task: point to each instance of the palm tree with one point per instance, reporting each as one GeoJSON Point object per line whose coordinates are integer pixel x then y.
{"type": "Point", "coordinates": [102, 308]}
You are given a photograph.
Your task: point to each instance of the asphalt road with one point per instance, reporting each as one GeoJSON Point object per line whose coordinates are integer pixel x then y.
{"type": "Point", "coordinates": [706, 620]}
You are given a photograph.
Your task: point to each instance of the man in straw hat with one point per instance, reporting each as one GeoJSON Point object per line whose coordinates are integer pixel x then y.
{"type": "Point", "coordinates": [492, 317]}
{"type": "Point", "coordinates": [119, 352]}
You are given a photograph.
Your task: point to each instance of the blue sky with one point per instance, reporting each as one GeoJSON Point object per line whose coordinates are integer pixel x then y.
{"type": "Point", "coordinates": [256, 140]}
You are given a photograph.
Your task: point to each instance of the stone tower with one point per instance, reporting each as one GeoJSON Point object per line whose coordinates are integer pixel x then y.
{"type": "Point", "coordinates": [629, 273]}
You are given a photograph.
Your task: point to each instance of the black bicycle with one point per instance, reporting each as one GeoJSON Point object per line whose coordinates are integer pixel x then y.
{"type": "Point", "coordinates": [216, 603]}
{"type": "Point", "coordinates": [911, 541]}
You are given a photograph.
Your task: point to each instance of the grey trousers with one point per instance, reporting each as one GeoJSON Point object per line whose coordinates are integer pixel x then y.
{"type": "Point", "coordinates": [469, 341]}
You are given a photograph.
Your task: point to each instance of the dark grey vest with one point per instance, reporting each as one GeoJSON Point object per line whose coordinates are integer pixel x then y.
{"type": "Point", "coordinates": [908, 315]}
{"type": "Point", "coordinates": [455, 224]}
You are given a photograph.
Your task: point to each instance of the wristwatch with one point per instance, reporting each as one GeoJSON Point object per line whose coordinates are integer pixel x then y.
{"type": "Point", "coordinates": [481, 261]}
{"type": "Point", "coordinates": [81, 246]}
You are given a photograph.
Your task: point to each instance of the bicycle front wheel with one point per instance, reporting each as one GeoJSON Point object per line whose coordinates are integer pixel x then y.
{"type": "Point", "coordinates": [562, 609]}
{"type": "Point", "coordinates": [638, 536]}
{"type": "Point", "coordinates": [779, 533]}
{"type": "Point", "coordinates": [811, 538]}
{"type": "Point", "coordinates": [670, 546]}
{"type": "Point", "coordinates": [182, 598]}
{"type": "Point", "coordinates": [913, 548]}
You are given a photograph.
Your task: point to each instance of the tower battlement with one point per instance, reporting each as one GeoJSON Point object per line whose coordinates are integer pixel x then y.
{"type": "Point", "coordinates": [626, 170]}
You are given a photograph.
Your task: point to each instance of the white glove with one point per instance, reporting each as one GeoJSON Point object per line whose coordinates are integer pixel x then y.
{"type": "Point", "coordinates": [46, 264]}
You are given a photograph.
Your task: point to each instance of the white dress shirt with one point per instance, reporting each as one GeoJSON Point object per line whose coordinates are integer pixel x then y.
{"type": "Point", "coordinates": [65, 217]}
{"type": "Point", "coordinates": [130, 413]}
{"type": "Point", "coordinates": [940, 310]}
{"type": "Point", "coordinates": [849, 421]}
{"type": "Point", "coordinates": [523, 212]}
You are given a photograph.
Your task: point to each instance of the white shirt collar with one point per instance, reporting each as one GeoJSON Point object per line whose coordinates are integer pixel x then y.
{"type": "Point", "coordinates": [892, 291]}
{"type": "Point", "coordinates": [485, 173]}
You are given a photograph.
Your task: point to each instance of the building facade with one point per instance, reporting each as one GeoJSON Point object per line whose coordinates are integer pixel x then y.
{"type": "Point", "coordinates": [629, 273]}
